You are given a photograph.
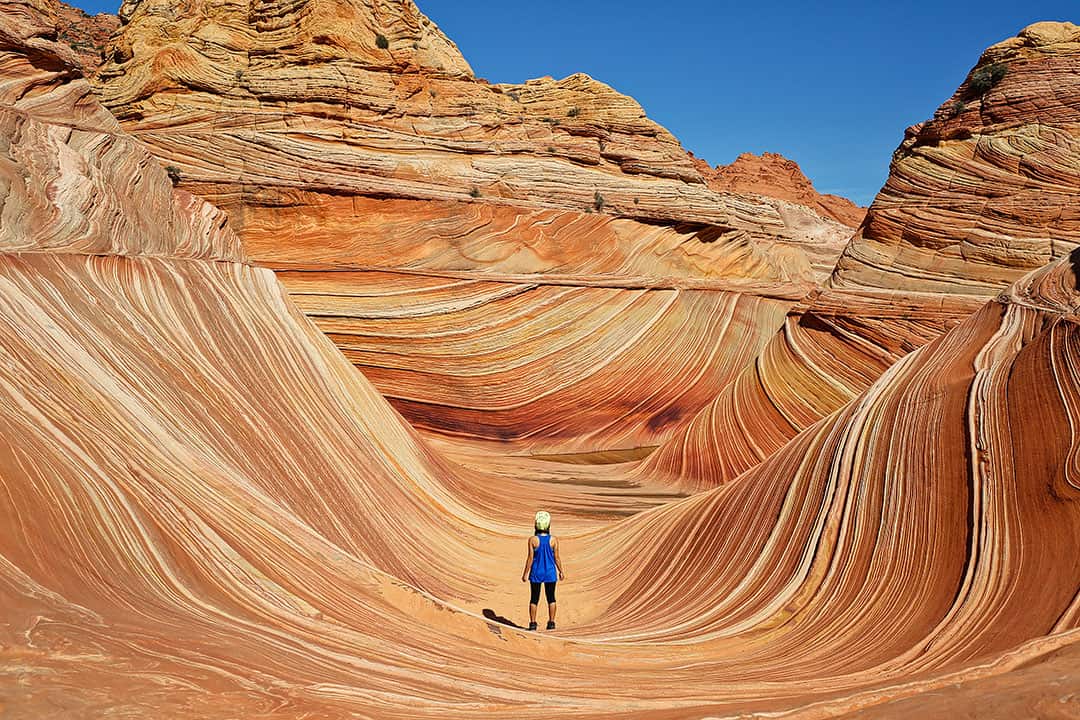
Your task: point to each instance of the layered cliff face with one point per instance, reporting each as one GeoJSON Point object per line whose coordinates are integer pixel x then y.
{"type": "Point", "coordinates": [976, 197]}
{"type": "Point", "coordinates": [79, 167]}
{"type": "Point", "coordinates": [86, 34]}
{"type": "Point", "coordinates": [776, 176]}
{"type": "Point", "coordinates": [543, 242]}
{"type": "Point", "coordinates": [987, 188]}
{"type": "Point", "coordinates": [368, 98]}
{"type": "Point", "coordinates": [209, 513]}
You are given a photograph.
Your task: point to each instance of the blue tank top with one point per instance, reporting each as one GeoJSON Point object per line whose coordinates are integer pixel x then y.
{"type": "Point", "coordinates": [543, 564]}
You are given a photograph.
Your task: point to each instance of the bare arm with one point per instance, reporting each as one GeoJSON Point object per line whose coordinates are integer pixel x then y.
{"type": "Point", "coordinates": [528, 563]}
{"type": "Point", "coordinates": [558, 560]}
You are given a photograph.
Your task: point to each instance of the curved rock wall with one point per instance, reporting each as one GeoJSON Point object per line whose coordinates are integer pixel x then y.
{"type": "Point", "coordinates": [207, 512]}
{"type": "Point", "coordinates": [986, 189]}
{"type": "Point", "coordinates": [976, 197]}
{"type": "Point", "coordinates": [333, 153]}
{"type": "Point", "coordinates": [823, 358]}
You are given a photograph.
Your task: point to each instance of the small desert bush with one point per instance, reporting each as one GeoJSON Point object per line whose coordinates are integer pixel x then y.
{"type": "Point", "coordinates": [986, 78]}
{"type": "Point", "coordinates": [955, 108]}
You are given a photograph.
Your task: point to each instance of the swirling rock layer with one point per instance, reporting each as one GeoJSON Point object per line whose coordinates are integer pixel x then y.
{"type": "Point", "coordinates": [342, 135]}
{"type": "Point", "coordinates": [205, 511]}
{"type": "Point", "coordinates": [986, 189]}
{"type": "Point", "coordinates": [822, 358]}
{"type": "Point", "coordinates": [974, 200]}
{"type": "Point", "coordinates": [522, 363]}
{"type": "Point", "coordinates": [549, 329]}
{"type": "Point", "coordinates": [71, 170]}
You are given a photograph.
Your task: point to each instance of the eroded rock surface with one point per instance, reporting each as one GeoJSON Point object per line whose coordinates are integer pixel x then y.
{"type": "Point", "coordinates": [776, 176]}
{"type": "Point", "coordinates": [208, 513]}
{"type": "Point", "coordinates": [331, 110]}
{"type": "Point", "coordinates": [986, 189]}
{"type": "Point", "coordinates": [979, 195]}
{"type": "Point", "coordinates": [356, 154]}
{"type": "Point", "coordinates": [86, 34]}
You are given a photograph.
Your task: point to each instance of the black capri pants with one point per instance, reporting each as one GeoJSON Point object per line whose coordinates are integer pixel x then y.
{"type": "Point", "coordinates": [534, 592]}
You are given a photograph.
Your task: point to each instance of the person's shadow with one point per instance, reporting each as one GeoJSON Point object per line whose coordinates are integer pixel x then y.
{"type": "Point", "coordinates": [492, 615]}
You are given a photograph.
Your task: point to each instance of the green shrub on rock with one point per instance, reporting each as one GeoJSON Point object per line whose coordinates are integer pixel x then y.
{"type": "Point", "coordinates": [984, 79]}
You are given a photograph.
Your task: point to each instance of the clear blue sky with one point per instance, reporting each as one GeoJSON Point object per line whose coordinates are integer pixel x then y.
{"type": "Point", "coordinates": [831, 84]}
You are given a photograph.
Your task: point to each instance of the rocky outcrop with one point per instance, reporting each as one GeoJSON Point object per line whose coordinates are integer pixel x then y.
{"type": "Point", "coordinates": [901, 282]}
{"type": "Point", "coordinates": [80, 165]}
{"type": "Point", "coordinates": [86, 34]}
{"type": "Point", "coordinates": [207, 512]}
{"type": "Point", "coordinates": [775, 176]}
{"type": "Point", "coordinates": [359, 98]}
{"type": "Point", "coordinates": [986, 189]}
{"type": "Point", "coordinates": [357, 155]}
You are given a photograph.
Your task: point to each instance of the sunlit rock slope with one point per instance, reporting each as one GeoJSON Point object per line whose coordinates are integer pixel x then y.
{"type": "Point", "coordinates": [207, 512]}
{"type": "Point", "coordinates": [976, 197]}
{"type": "Point", "coordinates": [567, 236]}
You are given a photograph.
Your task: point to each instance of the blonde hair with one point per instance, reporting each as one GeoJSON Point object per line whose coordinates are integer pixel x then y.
{"type": "Point", "coordinates": [542, 522]}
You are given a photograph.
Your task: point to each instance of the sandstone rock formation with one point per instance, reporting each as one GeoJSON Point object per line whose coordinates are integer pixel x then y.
{"type": "Point", "coordinates": [333, 112]}
{"type": "Point", "coordinates": [78, 167]}
{"type": "Point", "coordinates": [986, 189]}
{"type": "Point", "coordinates": [776, 176]}
{"type": "Point", "coordinates": [935, 451]}
{"type": "Point", "coordinates": [822, 358]}
{"type": "Point", "coordinates": [973, 201]}
{"type": "Point", "coordinates": [84, 33]}
{"type": "Point", "coordinates": [358, 170]}
{"type": "Point", "coordinates": [207, 512]}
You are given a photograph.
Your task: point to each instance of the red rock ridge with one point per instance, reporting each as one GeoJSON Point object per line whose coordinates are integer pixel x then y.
{"type": "Point", "coordinates": [86, 34]}
{"type": "Point", "coordinates": [775, 176]}
{"type": "Point", "coordinates": [977, 196]}
{"type": "Point", "coordinates": [358, 156]}
{"type": "Point", "coordinates": [985, 190]}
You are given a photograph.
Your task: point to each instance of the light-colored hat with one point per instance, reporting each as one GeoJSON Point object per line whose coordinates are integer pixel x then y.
{"type": "Point", "coordinates": [543, 520]}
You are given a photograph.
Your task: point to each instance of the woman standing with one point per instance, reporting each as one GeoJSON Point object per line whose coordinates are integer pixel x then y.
{"type": "Point", "coordinates": [542, 566]}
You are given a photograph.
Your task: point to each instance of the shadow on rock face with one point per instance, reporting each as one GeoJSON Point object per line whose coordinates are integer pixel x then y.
{"type": "Point", "coordinates": [1074, 263]}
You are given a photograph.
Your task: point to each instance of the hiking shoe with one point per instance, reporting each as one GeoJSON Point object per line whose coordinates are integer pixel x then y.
{"type": "Point", "coordinates": [551, 625]}
{"type": "Point", "coordinates": [532, 626]}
